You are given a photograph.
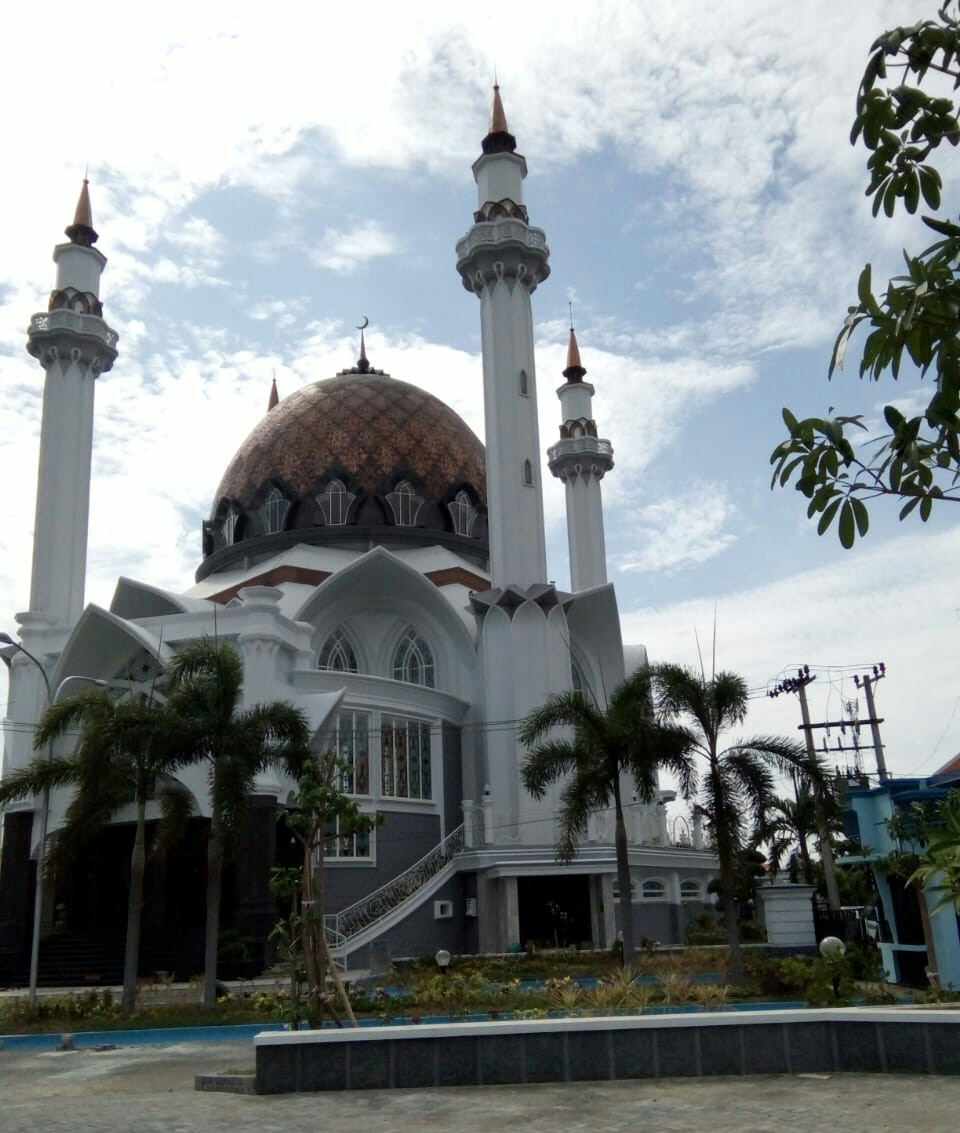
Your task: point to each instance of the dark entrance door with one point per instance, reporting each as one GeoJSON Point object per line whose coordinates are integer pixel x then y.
{"type": "Point", "coordinates": [554, 910]}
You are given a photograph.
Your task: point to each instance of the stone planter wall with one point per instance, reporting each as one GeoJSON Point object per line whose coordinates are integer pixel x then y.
{"type": "Point", "coordinates": [883, 1040]}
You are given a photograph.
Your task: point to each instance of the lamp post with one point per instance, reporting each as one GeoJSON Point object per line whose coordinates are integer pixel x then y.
{"type": "Point", "coordinates": [53, 696]}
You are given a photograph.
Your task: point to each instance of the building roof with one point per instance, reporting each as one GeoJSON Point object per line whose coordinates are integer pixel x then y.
{"type": "Point", "coordinates": [369, 425]}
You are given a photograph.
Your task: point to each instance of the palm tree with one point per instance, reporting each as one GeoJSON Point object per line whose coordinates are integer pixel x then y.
{"type": "Point", "coordinates": [790, 824]}
{"type": "Point", "coordinates": [118, 761]}
{"type": "Point", "coordinates": [737, 782]}
{"type": "Point", "coordinates": [787, 828]}
{"type": "Point", "coordinates": [626, 739]}
{"type": "Point", "coordinates": [204, 684]}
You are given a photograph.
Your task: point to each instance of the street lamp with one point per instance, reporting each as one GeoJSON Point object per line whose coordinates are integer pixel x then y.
{"type": "Point", "coordinates": [52, 697]}
{"type": "Point", "coordinates": [443, 960]}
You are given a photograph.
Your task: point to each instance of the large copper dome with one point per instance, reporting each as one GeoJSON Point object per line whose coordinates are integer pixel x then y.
{"type": "Point", "coordinates": [356, 461]}
{"type": "Point", "coordinates": [369, 425]}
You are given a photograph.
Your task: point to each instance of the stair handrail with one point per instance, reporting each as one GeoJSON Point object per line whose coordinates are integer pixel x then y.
{"type": "Point", "coordinates": [340, 927]}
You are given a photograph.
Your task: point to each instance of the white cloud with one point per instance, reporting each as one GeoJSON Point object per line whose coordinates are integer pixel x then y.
{"type": "Point", "coordinates": [891, 602]}
{"type": "Point", "coordinates": [346, 250]}
{"type": "Point", "coordinates": [679, 531]}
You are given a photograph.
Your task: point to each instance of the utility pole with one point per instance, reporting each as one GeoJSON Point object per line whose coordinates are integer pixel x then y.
{"type": "Point", "coordinates": [865, 682]}
{"type": "Point", "coordinates": [798, 685]}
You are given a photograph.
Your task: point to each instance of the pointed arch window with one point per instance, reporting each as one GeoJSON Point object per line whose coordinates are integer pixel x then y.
{"type": "Point", "coordinates": [225, 535]}
{"type": "Point", "coordinates": [337, 654]}
{"type": "Point", "coordinates": [528, 473]}
{"type": "Point", "coordinates": [463, 513]}
{"type": "Point", "coordinates": [413, 661]}
{"type": "Point", "coordinates": [405, 504]}
{"type": "Point", "coordinates": [273, 511]}
{"type": "Point", "coordinates": [335, 503]}
{"type": "Point", "coordinates": [524, 384]}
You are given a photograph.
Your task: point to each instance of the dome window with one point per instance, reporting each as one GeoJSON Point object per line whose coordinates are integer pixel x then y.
{"type": "Point", "coordinates": [405, 504]}
{"type": "Point", "coordinates": [273, 511]}
{"type": "Point", "coordinates": [413, 661]}
{"type": "Point", "coordinates": [337, 654]}
{"type": "Point", "coordinates": [225, 535]}
{"type": "Point", "coordinates": [463, 514]}
{"type": "Point", "coordinates": [335, 503]}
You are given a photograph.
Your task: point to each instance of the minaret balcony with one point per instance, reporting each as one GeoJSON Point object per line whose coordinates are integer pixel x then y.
{"type": "Point", "coordinates": [574, 455]}
{"type": "Point", "coordinates": [57, 333]}
{"type": "Point", "coordinates": [505, 247]}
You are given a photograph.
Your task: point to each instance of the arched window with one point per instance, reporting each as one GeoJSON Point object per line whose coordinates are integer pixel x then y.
{"type": "Point", "coordinates": [413, 661]}
{"type": "Point", "coordinates": [228, 528]}
{"type": "Point", "coordinates": [528, 473]}
{"type": "Point", "coordinates": [337, 653]}
{"type": "Point", "coordinates": [335, 503]}
{"type": "Point", "coordinates": [690, 891]}
{"type": "Point", "coordinates": [405, 504]}
{"type": "Point", "coordinates": [653, 890]}
{"type": "Point", "coordinates": [273, 511]}
{"type": "Point", "coordinates": [463, 513]}
{"type": "Point", "coordinates": [524, 384]}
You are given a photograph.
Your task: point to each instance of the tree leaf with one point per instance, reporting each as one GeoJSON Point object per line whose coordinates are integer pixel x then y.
{"type": "Point", "coordinates": [846, 528]}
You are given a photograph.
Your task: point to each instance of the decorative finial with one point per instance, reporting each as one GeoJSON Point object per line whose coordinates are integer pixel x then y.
{"type": "Point", "coordinates": [570, 309]}
{"type": "Point", "coordinates": [498, 139]}
{"type": "Point", "coordinates": [274, 399]}
{"type": "Point", "coordinates": [574, 371]}
{"type": "Point", "coordinates": [82, 231]}
{"type": "Point", "coordinates": [363, 364]}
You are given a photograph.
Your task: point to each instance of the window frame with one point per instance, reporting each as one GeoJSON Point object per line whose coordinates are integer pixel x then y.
{"type": "Point", "coordinates": [389, 752]}
{"type": "Point", "coordinates": [660, 895]}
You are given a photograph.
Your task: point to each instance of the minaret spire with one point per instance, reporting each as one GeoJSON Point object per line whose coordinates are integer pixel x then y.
{"type": "Point", "coordinates": [82, 231]}
{"type": "Point", "coordinates": [498, 139]}
{"type": "Point", "coordinates": [274, 399]}
{"type": "Point", "coordinates": [580, 459]}
{"type": "Point", "coordinates": [74, 346]}
{"type": "Point", "coordinates": [501, 260]}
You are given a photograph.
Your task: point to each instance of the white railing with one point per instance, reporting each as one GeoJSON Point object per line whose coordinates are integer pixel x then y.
{"type": "Point", "coordinates": [341, 927]}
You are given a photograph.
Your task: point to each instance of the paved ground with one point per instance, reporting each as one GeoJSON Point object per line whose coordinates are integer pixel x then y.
{"type": "Point", "coordinates": [148, 1089]}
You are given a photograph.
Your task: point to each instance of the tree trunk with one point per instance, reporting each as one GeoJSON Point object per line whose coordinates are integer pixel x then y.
{"type": "Point", "coordinates": [623, 876]}
{"type": "Point", "coordinates": [933, 972]}
{"type": "Point", "coordinates": [829, 870]}
{"type": "Point", "coordinates": [212, 937]}
{"type": "Point", "coordinates": [312, 959]}
{"type": "Point", "coordinates": [805, 859]}
{"type": "Point", "coordinates": [727, 887]}
{"type": "Point", "coordinates": [128, 999]}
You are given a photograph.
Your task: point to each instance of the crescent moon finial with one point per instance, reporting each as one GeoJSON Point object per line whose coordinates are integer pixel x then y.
{"type": "Point", "coordinates": [364, 324]}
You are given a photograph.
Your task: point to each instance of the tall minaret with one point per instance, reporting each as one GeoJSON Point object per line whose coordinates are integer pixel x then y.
{"type": "Point", "coordinates": [580, 459]}
{"type": "Point", "coordinates": [73, 344]}
{"type": "Point", "coordinates": [502, 259]}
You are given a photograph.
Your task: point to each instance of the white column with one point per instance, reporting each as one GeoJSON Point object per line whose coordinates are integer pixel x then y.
{"type": "Point", "coordinates": [74, 345]}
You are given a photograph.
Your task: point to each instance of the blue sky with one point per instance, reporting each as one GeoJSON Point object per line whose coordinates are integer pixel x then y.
{"type": "Point", "coordinates": [261, 179]}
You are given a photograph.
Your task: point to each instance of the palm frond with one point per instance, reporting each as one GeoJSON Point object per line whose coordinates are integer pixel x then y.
{"type": "Point", "coordinates": [39, 775]}
{"type": "Point", "coordinates": [561, 709]}
{"type": "Point", "coordinates": [546, 763]}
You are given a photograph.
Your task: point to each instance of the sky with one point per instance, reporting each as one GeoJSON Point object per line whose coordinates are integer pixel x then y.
{"type": "Point", "coordinates": [262, 178]}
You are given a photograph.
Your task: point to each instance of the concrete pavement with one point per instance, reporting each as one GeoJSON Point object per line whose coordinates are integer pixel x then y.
{"type": "Point", "coordinates": [149, 1089]}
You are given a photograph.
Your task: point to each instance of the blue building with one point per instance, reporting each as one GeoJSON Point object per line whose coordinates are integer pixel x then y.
{"type": "Point", "coordinates": [885, 845]}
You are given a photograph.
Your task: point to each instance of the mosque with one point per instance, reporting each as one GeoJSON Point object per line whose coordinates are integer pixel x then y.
{"type": "Point", "coordinates": [377, 566]}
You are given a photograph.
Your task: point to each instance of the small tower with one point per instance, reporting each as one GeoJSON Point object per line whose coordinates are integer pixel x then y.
{"type": "Point", "coordinates": [74, 345]}
{"type": "Point", "coordinates": [581, 459]}
{"type": "Point", "coordinates": [501, 260]}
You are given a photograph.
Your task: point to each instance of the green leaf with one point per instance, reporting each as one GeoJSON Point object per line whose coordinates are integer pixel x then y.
{"type": "Point", "coordinates": [926, 507]}
{"type": "Point", "coordinates": [908, 507]}
{"type": "Point", "coordinates": [846, 529]}
{"type": "Point", "coordinates": [862, 516]}
{"type": "Point", "coordinates": [827, 518]}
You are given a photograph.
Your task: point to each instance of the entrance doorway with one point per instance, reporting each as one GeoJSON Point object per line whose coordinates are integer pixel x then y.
{"type": "Point", "coordinates": [554, 910]}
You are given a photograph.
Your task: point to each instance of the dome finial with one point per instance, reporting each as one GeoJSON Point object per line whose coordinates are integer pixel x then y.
{"type": "Point", "coordinates": [363, 363]}
{"type": "Point", "coordinates": [574, 371]}
{"type": "Point", "coordinates": [82, 230]}
{"type": "Point", "coordinates": [498, 139]}
{"type": "Point", "coordinates": [274, 399]}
